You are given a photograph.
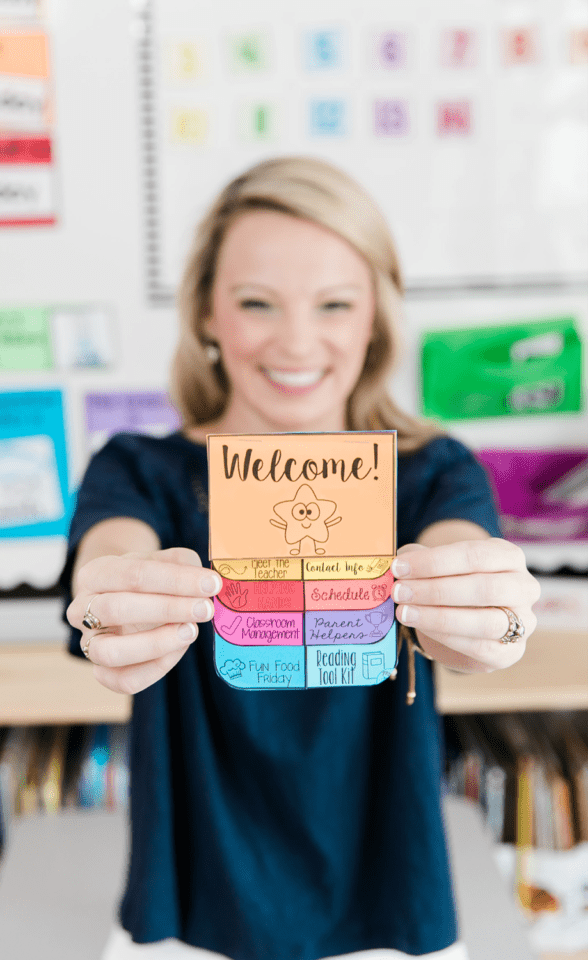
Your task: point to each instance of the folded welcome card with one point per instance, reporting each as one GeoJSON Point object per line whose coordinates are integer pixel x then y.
{"type": "Point", "coordinates": [303, 534]}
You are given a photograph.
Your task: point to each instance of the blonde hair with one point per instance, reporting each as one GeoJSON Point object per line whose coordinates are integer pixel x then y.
{"type": "Point", "coordinates": [309, 189]}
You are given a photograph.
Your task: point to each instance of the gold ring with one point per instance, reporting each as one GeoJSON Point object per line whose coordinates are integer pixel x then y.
{"type": "Point", "coordinates": [89, 620]}
{"type": "Point", "coordinates": [516, 627]}
{"type": "Point", "coordinates": [86, 647]}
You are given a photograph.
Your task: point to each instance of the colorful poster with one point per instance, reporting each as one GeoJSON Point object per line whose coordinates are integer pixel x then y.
{"type": "Point", "coordinates": [34, 495]}
{"type": "Point", "coordinates": [25, 339]}
{"type": "Point", "coordinates": [542, 495]}
{"type": "Point", "coordinates": [24, 103]}
{"type": "Point", "coordinates": [139, 411]}
{"type": "Point", "coordinates": [303, 534]}
{"type": "Point", "coordinates": [530, 367]}
{"type": "Point", "coordinates": [27, 169]}
{"type": "Point", "coordinates": [82, 337]}
{"type": "Point", "coordinates": [66, 337]}
{"type": "Point", "coordinates": [27, 182]}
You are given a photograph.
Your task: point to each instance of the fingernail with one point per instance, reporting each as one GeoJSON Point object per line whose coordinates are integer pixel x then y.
{"type": "Point", "coordinates": [400, 568]}
{"type": "Point", "coordinates": [187, 631]}
{"type": "Point", "coordinates": [402, 592]}
{"type": "Point", "coordinates": [211, 583]}
{"type": "Point", "coordinates": [409, 614]}
{"type": "Point", "coordinates": [203, 610]}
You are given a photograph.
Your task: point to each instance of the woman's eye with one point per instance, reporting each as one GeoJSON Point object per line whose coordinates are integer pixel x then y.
{"type": "Point", "coordinates": [336, 305]}
{"type": "Point", "coordinates": [254, 305]}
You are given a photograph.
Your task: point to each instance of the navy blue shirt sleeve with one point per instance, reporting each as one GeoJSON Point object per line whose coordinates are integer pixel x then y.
{"type": "Point", "coordinates": [118, 483]}
{"type": "Point", "coordinates": [448, 484]}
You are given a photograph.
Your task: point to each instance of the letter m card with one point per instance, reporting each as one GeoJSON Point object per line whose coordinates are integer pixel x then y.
{"type": "Point", "coordinates": [303, 534]}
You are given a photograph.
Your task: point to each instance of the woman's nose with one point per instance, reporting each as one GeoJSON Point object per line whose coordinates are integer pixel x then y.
{"type": "Point", "coordinates": [298, 331]}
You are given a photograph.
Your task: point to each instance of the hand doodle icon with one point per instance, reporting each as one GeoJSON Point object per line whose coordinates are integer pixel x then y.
{"type": "Point", "coordinates": [305, 516]}
{"type": "Point", "coordinates": [236, 595]}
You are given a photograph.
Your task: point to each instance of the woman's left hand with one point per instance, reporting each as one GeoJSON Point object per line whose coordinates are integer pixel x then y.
{"type": "Point", "coordinates": [452, 594]}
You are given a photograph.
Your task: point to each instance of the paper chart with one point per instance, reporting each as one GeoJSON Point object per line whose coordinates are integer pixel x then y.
{"type": "Point", "coordinates": [303, 534]}
{"type": "Point", "coordinates": [28, 189]}
{"type": "Point", "coordinates": [68, 337]}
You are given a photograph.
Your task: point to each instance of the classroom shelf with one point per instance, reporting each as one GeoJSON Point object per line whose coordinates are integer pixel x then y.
{"type": "Point", "coordinates": [552, 675]}
{"type": "Point", "coordinates": [45, 685]}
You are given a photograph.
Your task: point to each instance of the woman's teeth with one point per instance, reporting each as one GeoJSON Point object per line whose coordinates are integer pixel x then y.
{"type": "Point", "coordinates": [291, 378]}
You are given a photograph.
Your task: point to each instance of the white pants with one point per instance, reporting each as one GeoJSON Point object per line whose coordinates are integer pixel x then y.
{"type": "Point", "coordinates": [121, 947]}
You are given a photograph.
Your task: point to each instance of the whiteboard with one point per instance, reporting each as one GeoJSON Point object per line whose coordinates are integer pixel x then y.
{"type": "Point", "coordinates": [466, 121]}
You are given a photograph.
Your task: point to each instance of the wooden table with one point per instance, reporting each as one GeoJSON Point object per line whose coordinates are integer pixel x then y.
{"type": "Point", "coordinates": [552, 675]}
{"type": "Point", "coordinates": [45, 684]}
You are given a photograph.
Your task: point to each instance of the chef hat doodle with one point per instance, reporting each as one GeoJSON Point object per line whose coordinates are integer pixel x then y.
{"type": "Point", "coordinates": [232, 668]}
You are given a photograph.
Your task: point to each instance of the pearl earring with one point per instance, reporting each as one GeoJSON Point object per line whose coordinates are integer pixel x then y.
{"type": "Point", "coordinates": [212, 352]}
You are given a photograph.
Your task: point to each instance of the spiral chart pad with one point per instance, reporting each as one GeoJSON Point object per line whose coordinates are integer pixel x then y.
{"type": "Point", "coordinates": [303, 534]}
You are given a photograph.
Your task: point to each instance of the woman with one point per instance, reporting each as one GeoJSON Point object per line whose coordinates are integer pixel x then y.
{"type": "Point", "coordinates": [289, 825]}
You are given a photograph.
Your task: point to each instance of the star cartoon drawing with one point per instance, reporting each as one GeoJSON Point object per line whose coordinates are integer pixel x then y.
{"type": "Point", "coordinates": [305, 516]}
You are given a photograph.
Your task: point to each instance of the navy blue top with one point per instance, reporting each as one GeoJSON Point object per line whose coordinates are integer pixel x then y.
{"type": "Point", "coordinates": [281, 825]}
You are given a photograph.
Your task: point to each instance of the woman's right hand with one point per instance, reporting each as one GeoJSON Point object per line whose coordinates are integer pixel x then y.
{"type": "Point", "coordinates": [149, 605]}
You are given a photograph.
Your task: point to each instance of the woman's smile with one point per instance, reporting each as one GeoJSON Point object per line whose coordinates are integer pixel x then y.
{"type": "Point", "coordinates": [294, 382]}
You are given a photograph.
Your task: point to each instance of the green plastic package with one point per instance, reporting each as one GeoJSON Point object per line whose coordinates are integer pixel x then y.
{"type": "Point", "coordinates": [531, 367]}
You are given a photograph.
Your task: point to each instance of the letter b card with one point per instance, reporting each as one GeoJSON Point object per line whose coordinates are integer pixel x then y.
{"type": "Point", "coordinates": [303, 534]}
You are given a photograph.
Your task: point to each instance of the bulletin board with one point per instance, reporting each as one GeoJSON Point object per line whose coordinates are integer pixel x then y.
{"type": "Point", "coordinates": [133, 135]}
{"type": "Point", "coordinates": [466, 120]}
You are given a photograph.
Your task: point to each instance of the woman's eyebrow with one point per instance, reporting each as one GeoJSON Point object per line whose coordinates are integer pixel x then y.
{"type": "Point", "coordinates": [340, 287]}
{"type": "Point", "coordinates": [323, 290]}
{"type": "Point", "coordinates": [248, 286]}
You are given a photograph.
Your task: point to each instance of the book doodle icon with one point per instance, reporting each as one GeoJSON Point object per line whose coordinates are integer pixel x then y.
{"type": "Point", "coordinates": [303, 534]}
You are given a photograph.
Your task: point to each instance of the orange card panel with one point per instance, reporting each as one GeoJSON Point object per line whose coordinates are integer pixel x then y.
{"type": "Point", "coordinates": [24, 54]}
{"type": "Point", "coordinates": [302, 495]}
